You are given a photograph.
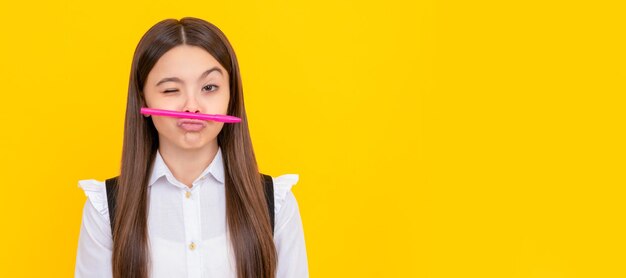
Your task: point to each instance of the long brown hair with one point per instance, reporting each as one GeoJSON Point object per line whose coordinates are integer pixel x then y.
{"type": "Point", "coordinates": [247, 218]}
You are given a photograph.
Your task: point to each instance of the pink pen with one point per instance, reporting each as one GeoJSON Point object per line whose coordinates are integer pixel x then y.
{"type": "Point", "coordinates": [188, 115]}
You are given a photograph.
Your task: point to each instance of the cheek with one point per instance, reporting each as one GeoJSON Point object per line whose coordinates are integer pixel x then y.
{"type": "Point", "coordinates": [160, 102]}
{"type": "Point", "coordinates": [163, 124]}
{"type": "Point", "coordinates": [223, 103]}
{"type": "Point", "coordinates": [148, 98]}
{"type": "Point", "coordinates": [215, 104]}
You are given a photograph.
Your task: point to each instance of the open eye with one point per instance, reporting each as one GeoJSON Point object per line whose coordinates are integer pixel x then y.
{"type": "Point", "coordinates": [210, 87]}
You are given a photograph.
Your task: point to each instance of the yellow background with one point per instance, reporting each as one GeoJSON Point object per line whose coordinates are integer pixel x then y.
{"type": "Point", "coordinates": [432, 138]}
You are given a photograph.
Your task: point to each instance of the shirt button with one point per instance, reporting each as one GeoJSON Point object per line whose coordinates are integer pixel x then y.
{"type": "Point", "coordinates": [188, 194]}
{"type": "Point", "coordinates": [192, 246]}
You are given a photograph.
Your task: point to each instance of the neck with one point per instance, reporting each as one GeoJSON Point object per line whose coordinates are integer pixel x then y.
{"type": "Point", "coordinates": [187, 164]}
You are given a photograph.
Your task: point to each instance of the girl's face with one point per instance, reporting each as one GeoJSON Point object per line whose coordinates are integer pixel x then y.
{"type": "Point", "coordinates": [189, 79]}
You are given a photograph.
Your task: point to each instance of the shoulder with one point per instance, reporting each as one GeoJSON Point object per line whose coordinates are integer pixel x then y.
{"type": "Point", "coordinates": [282, 191]}
{"type": "Point", "coordinates": [95, 191]}
{"type": "Point", "coordinates": [95, 241]}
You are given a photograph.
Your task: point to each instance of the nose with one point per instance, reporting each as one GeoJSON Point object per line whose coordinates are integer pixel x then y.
{"type": "Point", "coordinates": [192, 105]}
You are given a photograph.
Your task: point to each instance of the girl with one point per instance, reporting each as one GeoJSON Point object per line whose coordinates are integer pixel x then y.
{"type": "Point", "coordinates": [189, 201]}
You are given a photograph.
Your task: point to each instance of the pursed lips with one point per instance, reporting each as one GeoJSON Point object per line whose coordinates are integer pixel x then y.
{"type": "Point", "coordinates": [191, 124]}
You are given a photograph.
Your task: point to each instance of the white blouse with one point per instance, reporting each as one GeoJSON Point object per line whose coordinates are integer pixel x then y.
{"type": "Point", "coordinates": [187, 227]}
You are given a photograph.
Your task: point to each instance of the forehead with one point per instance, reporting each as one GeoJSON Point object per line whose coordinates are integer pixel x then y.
{"type": "Point", "coordinates": [185, 62]}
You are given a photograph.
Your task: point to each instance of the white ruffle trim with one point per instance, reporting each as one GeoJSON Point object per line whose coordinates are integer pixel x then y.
{"type": "Point", "coordinates": [282, 185]}
{"type": "Point", "coordinates": [97, 195]}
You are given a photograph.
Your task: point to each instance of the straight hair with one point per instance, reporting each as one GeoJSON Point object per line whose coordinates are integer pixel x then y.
{"type": "Point", "coordinates": [247, 219]}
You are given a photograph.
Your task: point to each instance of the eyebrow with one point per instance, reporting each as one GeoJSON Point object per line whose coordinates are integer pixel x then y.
{"type": "Point", "coordinates": [178, 80]}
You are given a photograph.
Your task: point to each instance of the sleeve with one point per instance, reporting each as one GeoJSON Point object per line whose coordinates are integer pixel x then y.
{"type": "Point", "coordinates": [288, 230]}
{"type": "Point", "coordinates": [95, 244]}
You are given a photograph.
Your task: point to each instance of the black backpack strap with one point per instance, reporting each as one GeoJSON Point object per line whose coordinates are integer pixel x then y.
{"type": "Point", "coordinates": [111, 188]}
{"type": "Point", "coordinates": [269, 196]}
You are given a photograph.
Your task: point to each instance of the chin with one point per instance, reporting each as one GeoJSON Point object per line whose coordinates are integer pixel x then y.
{"type": "Point", "coordinates": [192, 146]}
{"type": "Point", "coordinates": [187, 141]}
